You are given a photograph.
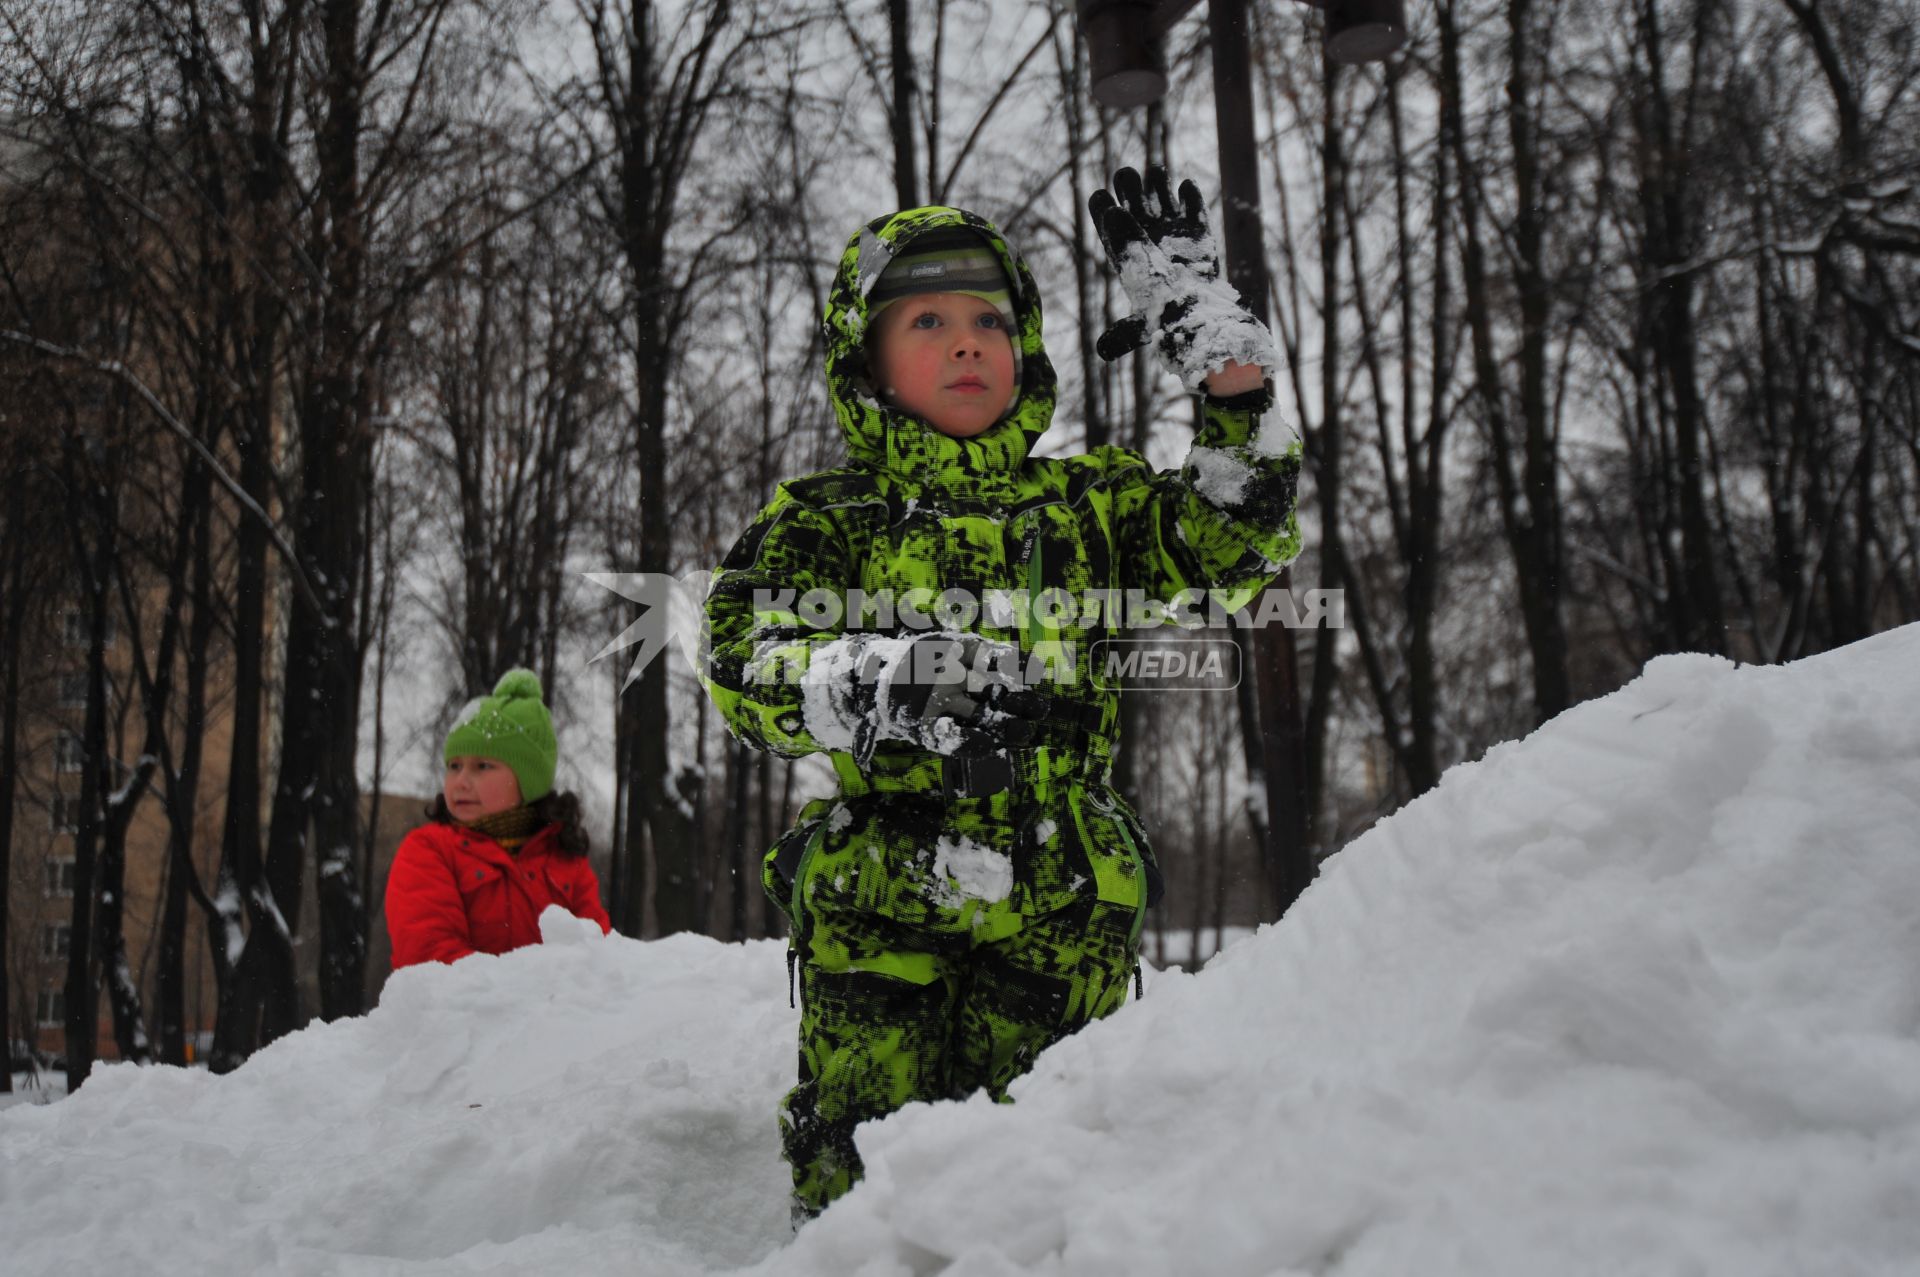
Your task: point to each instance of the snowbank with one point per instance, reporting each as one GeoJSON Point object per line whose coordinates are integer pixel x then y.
{"type": "Point", "coordinates": [1638, 994]}
{"type": "Point", "coordinates": [591, 1105]}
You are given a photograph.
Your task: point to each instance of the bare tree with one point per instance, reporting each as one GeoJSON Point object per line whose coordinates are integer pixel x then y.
{"type": "Point", "coordinates": [390, 109]}
{"type": "Point", "coordinates": [1520, 437]}
{"type": "Point", "coordinates": [661, 79]}
{"type": "Point", "coordinates": [512, 346]}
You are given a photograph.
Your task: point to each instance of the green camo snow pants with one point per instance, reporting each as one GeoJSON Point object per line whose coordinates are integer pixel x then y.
{"type": "Point", "coordinates": [939, 953]}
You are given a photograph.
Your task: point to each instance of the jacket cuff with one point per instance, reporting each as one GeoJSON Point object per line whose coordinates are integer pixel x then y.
{"type": "Point", "coordinates": [1251, 401]}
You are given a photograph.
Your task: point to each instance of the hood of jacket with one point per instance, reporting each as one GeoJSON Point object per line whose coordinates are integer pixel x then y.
{"type": "Point", "coordinates": [889, 439]}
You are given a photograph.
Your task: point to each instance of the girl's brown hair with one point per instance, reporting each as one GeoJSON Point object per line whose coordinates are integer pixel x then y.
{"type": "Point", "coordinates": [555, 809]}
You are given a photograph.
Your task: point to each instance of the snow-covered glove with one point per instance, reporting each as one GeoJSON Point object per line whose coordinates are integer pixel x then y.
{"type": "Point", "coordinates": [1170, 268]}
{"type": "Point", "coordinates": [1183, 236]}
{"type": "Point", "coordinates": [952, 693]}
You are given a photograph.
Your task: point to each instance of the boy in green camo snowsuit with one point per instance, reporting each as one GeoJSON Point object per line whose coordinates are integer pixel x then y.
{"type": "Point", "coordinates": [975, 890]}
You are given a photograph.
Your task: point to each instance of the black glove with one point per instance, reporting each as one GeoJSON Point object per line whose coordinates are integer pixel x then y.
{"type": "Point", "coordinates": [1170, 268]}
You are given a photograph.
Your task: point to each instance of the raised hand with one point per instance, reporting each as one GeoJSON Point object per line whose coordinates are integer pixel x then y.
{"type": "Point", "coordinates": [1169, 266]}
{"type": "Point", "coordinates": [1179, 229]}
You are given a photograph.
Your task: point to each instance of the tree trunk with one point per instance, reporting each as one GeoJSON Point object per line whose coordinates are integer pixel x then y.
{"type": "Point", "coordinates": [657, 123]}
{"type": "Point", "coordinates": [900, 60]}
{"type": "Point", "coordinates": [116, 974]}
{"type": "Point", "coordinates": [92, 564]}
{"type": "Point", "coordinates": [666, 821]}
{"type": "Point", "coordinates": [1072, 69]}
{"type": "Point", "coordinates": [1529, 502]}
{"type": "Point", "coordinates": [1697, 621]}
{"type": "Point", "coordinates": [1328, 455]}
{"type": "Point", "coordinates": [240, 890]}
{"type": "Point", "coordinates": [241, 899]}
{"type": "Point", "coordinates": [626, 874]}
{"type": "Point", "coordinates": [183, 787]}
{"type": "Point", "coordinates": [317, 794]}
{"type": "Point", "coordinates": [12, 622]}
{"type": "Point", "coordinates": [1425, 460]}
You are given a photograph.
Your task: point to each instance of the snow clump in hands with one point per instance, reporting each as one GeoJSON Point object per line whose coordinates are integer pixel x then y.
{"type": "Point", "coordinates": [950, 693]}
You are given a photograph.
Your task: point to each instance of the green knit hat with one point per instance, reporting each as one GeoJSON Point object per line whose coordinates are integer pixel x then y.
{"type": "Point", "coordinates": [511, 726]}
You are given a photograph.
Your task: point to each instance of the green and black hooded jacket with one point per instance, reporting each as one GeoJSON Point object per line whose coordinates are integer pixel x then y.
{"type": "Point", "coordinates": [914, 509]}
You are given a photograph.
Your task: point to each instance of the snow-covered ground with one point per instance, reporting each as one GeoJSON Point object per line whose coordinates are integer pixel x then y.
{"type": "Point", "coordinates": [1639, 994]}
{"type": "Point", "coordinates": [34, 1088]}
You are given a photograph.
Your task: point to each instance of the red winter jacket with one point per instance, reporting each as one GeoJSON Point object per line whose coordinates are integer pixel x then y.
{"type": "Point", "coordinates": [454, 891]}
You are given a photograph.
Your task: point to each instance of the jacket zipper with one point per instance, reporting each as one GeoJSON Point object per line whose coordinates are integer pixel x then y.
{"type": "Point", "coordinates": [1033, 593]}
{"type": "Point", "coordinates": [1139, 876]}
{"type": "Point", "coordinates": [796, 909]}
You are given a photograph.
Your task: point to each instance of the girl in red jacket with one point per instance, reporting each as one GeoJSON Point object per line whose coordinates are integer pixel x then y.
{"type": "Point", "coordinates": [501, 847]}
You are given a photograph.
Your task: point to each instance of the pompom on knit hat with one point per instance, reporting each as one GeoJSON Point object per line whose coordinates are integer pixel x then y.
{"type": "Point", "coordinates": [948, 259]}
{"type": "Point", "coordinates": [511, 726]}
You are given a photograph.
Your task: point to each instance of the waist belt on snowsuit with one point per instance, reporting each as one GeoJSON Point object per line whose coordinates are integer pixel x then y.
{"type": "Point", "coordinates": [1073, 752]}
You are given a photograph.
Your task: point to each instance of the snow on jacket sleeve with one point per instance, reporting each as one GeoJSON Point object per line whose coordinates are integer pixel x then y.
{"type": "Point", "coordinates": [1225, 520]}
{"type": "Point", "coordinates": [784, 684]}
{"type": "Point", "coordinates": [583, 894]}
{"type": "Point", "coordinates": [426, 918]}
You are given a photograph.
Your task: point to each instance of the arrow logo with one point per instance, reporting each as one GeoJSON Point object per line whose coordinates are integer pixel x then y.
{"type": "Point", "coordinates": [671, 608]}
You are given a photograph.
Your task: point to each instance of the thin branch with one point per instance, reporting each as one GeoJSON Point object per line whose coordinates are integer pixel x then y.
{"type": "Point", "coordinates": [121, 373]}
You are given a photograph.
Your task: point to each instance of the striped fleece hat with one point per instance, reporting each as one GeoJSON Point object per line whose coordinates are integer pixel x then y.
{"type": "Point", "coordinates": [948, 259]}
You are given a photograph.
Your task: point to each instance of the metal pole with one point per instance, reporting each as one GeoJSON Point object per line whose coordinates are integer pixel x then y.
{"type": "Point", "coordinates": [1281, 740]}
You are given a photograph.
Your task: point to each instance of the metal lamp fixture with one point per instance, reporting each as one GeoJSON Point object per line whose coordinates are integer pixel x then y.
{"type": "Point", "coordinates": [1123, 40]}
{"type": "Point", "coordinates": [1365, 30]}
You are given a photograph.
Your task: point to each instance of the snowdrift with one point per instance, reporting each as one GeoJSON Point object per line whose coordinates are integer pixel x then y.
{"type": "Point", "coordinates": [1640, 993]}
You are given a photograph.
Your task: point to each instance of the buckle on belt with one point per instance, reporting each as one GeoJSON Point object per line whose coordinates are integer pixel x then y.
{"type": "Point", "coordinates": [975, 777]}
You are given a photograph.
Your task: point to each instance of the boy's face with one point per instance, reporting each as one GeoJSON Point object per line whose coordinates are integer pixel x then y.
{"type": "Point", "coordinates": [947, 358]}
